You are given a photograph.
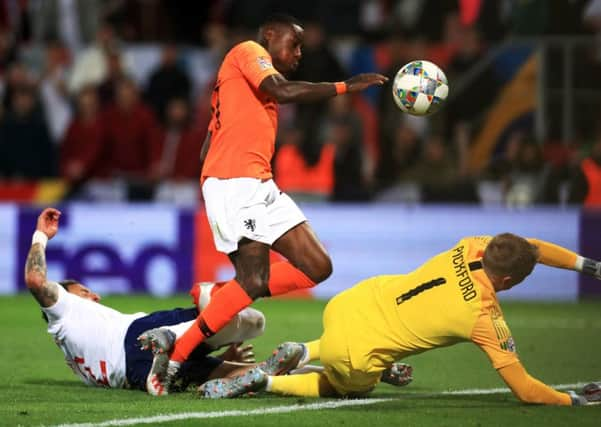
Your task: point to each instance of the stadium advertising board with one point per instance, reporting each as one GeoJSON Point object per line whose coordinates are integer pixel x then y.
{"type": "Point", "coordinates": [116, 248]}
{"type": "Point", "coordinates": [368, 240]}
{"type": "Point", "coordinates": [162, 249]}
{"type": "Point", "coordinates": [8, 242]}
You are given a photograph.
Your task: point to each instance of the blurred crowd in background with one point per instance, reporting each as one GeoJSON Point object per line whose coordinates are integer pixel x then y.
{"type": "Point", "coordinates": [111, 99]}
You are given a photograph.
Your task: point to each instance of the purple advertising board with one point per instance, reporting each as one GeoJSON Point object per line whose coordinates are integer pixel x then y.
{"type": "Point", "coordinates": [150, 248]}
{"type": "Point", "coordinates": [117, 249]}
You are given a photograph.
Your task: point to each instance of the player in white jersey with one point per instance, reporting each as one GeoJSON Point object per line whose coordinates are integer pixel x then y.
{"type": "Point", "coordinates": [101, 344]}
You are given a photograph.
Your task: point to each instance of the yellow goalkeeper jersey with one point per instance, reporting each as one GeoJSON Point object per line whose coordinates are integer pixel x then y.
{"type": "Point", "coordinates": [448, 299]}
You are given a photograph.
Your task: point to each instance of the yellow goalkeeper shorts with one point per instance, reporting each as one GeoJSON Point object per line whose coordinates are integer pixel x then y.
{"type": "Point", "coordinates": [334, 354]}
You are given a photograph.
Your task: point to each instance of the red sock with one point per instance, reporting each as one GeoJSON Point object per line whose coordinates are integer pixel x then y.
{"type": "Point", "coordinates": [284, 277]}
{"type": "Point", "coordinates": [222, 308]}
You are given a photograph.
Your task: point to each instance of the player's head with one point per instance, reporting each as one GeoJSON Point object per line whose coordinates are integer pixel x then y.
{"type": "Point", "coordinates": [76, 288]}
{"type": "Point", "coordinates": [508, 259]}
{"type": "Point", "coordinates": [282, 36]}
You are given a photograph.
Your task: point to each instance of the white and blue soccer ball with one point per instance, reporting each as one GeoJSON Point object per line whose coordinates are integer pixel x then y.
{"type": "Point", "coordinates": [420, 88]}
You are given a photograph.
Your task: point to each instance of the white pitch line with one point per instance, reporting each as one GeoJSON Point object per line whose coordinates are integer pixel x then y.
{"type": "Point", "coordinates": [477, 391]}
{"type": "Point", "coordinates": [332, 404]}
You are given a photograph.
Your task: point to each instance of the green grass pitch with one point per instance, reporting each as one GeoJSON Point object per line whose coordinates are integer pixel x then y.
{"type": "Point", "coordinates": [558, 343]}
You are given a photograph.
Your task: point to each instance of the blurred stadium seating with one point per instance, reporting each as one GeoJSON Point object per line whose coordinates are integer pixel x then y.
{"type": "Point", "coordinates": [107, 103]}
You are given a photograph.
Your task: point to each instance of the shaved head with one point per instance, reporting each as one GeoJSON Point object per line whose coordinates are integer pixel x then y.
{"type": "Point", "coordinates": [282, 20]}
{"type": "Point", "coordinates": [282, 37]}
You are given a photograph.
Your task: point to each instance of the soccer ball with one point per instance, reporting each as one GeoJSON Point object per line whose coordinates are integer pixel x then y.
{"type": "Point", "coordinates": [420, 88]}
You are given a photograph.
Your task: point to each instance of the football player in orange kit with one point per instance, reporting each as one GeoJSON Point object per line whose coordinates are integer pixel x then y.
{"type": "Point", "coordinates": [247, 212]}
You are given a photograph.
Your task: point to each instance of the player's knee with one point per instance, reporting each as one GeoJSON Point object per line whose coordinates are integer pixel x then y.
{"type": "Point", "coordinates": [252, 323]}
{"type": "Point", "coordinates": [322, 269]}
{"type": "Point", "coordinates": [256, 286]}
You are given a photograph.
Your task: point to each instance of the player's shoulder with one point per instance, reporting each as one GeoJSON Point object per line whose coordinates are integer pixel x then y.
{"type": "Point", "coordinates": [248, 47]}
{"type": "Point", "coordinates": [477, 240]}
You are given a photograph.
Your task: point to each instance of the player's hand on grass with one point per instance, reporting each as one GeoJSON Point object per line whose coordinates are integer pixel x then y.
{"type": "Point", "coordinates": [590, 395]}
{"type": "Point", "coordinates": [363, 81]}
{"type": "Point", "coordinates": [237, 353]}
{"type": "Point", "coordinates": [48, 222]}
{"type": "Point", "coordinates": [399, 375]}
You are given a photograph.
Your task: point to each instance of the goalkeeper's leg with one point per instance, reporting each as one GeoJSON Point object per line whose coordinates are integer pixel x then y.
{"type": "Point", "coordinates": [314, 384]}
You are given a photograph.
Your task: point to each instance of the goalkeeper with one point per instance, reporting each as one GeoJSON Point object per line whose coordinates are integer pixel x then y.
{"type": "Point", "coordinates": [451, 298]}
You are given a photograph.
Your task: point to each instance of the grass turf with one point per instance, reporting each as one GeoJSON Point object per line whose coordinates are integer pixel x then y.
{"type": "Point", "coordinates": [558, 343]}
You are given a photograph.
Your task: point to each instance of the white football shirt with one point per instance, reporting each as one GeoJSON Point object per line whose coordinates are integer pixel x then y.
{"type": "Point", "coordinates": [91, 335]}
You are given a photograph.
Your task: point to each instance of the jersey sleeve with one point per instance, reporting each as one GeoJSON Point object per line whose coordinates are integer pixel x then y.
{"type": "Point", "coordinates": [59, 311]}
{"type": "Point", "coordinates": [60, 307]}
{"type": "Point", "coordinates": [529, 389]}
{"type": "Point", "coordinates": [554, 255]}
{"type": "Point", "coordinates": [492, 335]}
{"type": "Point", "coordinates": [254, 63]}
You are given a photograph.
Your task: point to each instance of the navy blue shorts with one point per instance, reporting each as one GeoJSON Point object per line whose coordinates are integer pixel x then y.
{"type": "Point", "coordinates": [138, 362]}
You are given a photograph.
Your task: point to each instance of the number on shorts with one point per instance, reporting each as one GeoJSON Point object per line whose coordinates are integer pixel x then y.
{"type": "Point", "coordinates": [419, 289]}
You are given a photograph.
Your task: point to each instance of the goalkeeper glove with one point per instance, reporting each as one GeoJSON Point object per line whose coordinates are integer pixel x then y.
{"type": "Point", "coordinates": [399, 374]}
{"type": "Point", "coordinates": [590, 395]}
{"type": "Point", "coordinates": [591, 267]}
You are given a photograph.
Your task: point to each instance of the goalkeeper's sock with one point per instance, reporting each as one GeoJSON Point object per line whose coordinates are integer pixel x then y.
{"type": "Point", "coordinates": [222, 308]}
{"type": "Point", "coordinates": [284, 277]}
{"type": "Point", "coordinates": [308, 385]}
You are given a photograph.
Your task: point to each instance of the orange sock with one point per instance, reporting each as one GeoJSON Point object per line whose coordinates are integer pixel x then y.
{"type": "Point", "coordinates": [222, 308]}
{"type": "Point", "coordinates": [187, 342]}
{"type": "Point", "coordinates": [284, 277]}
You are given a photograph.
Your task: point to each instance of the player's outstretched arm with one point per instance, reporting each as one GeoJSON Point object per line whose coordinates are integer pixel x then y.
{"type": "Point", "coordinates": [529, 389]}
{"type": "Point", "coordinates": [560, 257]}
{"type": "Point", "coordinates": [45, 292]}
{"type": "Point", "coordinates": [287, 91]}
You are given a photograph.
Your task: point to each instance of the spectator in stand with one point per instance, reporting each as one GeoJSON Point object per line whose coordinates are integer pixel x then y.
{"type": "Point", "coordinates": [397, 50]}
{"type": "Point", "coordinates": [426, 17]}
{"type": "Point", "coordinates": [8, 53]}
{"type": "Point", "coordinates": [343, 129]}
{"type": "Point", "coordinates": [505, 160]}
{"type": "Point", "coordinates": [82, 144]}
{"type": "Point", "coordinates": [399, 157]}
{"type": "Point", "coordinates": [15, 18]}
{"type": "Point", "coordinates": [53, 91]}
{"type": "Point", "coordinates": [179, 144]}
{"type": "Point", "coordinates": [168, 81]}
{"type": "Point", "coordinates": [528, 177]}
{"type": "Point", "coordinates": [130, 143]}
{"type": "Point", "coordinates": [26, 150]}
{"type": "Point", "coordinates": [92, 66]}
{"type": "Point", "coordinates": [17, 76]}
{"type": "Point", "coordinates": [115, 73]}
{"type": "Point", "coordinates": [301, 181]}
{"type": "Point", "coordinates": [438, 176]}
{"type": "Point", "coordinates": [468, 106]}
{"type": "Point", "coordinates": [74, 23]}
{"type": "Point", "coordinates": [318, 64]}
{"type": "Point", "coordinates": [585, 186]}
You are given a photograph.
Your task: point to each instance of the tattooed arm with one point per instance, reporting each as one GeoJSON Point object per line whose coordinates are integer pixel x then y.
{"type": "Point", "coordinates": [45, 292]}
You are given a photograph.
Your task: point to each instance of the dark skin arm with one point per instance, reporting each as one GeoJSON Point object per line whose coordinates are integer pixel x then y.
{"type": "Point", "coordinates": [205, 148]}
{"type": "Point", "coordinates": [286, 91]}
